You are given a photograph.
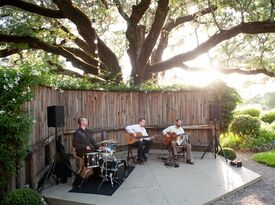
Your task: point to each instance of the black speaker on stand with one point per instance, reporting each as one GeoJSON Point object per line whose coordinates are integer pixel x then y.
{"type": "Point", "coordinates": [214, 117]}
{"type": "Point", "coordinates": [55, 116]}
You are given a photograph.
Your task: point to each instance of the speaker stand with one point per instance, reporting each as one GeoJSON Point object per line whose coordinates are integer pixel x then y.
{"type": "Point", "coordinates": [52, 167]}
{"type": "Point", "coordinates": [216, 143]}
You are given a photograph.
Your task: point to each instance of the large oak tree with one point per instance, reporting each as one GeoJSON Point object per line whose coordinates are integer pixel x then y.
{"type": "Point", "coordinates": [76, 31]}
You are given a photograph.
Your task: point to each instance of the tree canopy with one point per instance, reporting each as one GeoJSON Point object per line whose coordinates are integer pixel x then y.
{"type": "Point", "coordinates": [91, 35]}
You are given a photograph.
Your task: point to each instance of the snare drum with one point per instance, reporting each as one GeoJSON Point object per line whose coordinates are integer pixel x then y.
{"type": "Point", "coordinates": [92, 159]}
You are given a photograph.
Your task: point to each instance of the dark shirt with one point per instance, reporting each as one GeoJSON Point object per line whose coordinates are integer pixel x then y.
{"type": "Point", "coordinates": [81, 139]}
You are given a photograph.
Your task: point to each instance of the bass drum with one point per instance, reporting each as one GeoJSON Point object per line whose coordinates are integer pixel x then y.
{"type": "Point", "coordinates": [116, 167]}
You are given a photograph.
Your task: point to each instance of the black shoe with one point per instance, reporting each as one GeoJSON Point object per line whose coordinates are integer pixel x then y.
{"type": "Point", "coordinates": [176, 165]}
{"type": "Point", "coordinates": [139, 161]}
{"type": "Point", "coordinates": [189, 162]}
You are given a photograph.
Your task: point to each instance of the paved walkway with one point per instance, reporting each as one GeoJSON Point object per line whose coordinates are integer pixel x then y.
{"type": "Point", "coordinates": [153, 183]}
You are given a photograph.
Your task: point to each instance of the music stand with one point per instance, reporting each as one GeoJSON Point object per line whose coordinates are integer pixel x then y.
{"type": "Point", "coordinates": [216, 142]}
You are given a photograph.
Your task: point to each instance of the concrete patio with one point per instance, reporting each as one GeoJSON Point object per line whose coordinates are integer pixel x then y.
{"type": "Point", "coordinates": [153, 183]}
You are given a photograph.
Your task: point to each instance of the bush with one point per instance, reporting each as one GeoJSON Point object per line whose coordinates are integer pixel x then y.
{"type": "Point", "coordinates": [269, 117]}
{"type": "Point", "coordinates": [245, 126]}
{"type": "Point", "coordinates": [231, 140]}
{"type": "Point", "coordinates": [266, 135]}
{"type": "Point", "coordinates": [253, 112]}
{"type": "Point", "coordinates": [23, 196]}
{"type": "Point", "coordinates": [15, 125]}
{"type": "Point", "coordinates": [273, 125]}
{"type": "Point", "coordinates": [229, 153]}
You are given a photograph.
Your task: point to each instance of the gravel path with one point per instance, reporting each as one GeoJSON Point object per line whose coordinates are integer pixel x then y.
{"type": "Point", "coordinates": [259, 193]}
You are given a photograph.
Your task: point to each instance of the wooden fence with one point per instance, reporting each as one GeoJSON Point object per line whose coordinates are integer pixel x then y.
{"type": "Point", "coordinates": [112, 111]}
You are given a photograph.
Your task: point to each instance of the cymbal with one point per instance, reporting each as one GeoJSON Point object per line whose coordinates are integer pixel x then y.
{"type": "Point", "coordinates": [108, 141]}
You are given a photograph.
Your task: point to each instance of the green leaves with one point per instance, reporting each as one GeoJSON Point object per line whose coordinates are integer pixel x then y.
{"type": "Point", "coordinates": [23, 196]}
{"type": "Point", "coordinates": [15, 125]}
{"type": "Point", "coordinates": [227, 98]}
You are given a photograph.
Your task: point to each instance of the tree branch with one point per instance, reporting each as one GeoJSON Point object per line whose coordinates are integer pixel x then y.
{"type": "Point", "coordinates": [170, 25]}
{"type": "Point", "coordinates": [214, 16]}
{"type": "Point", "coordinates": [79, 18]}
{"type": "Point", "coordinates": [35, 43]}
{"type": "Point", "coordinates": [84, 56]}
{"type": "Point", "coordinates": [9, 51]}
{"type": "Point", "coordinates": [139, 10]}
{"type": "Point", "coordinates": [247, 28]}
{"type": "Point", "coordinates": [32, 8]}
{"type": "Point", "coordinates": [154, 33]}
{"type": "Point", "coordinates": [78, 41]}
{"type": "Point", "coordinates": [247, 72]}
{"type": "Point", "coordinates": [63, 71]}
{"type": "Point", "coordinates": [120, 10]}
{"type": "Point", "coordinates": [228, 70]}
{"type": "Point", "coordinates": [88, 33]}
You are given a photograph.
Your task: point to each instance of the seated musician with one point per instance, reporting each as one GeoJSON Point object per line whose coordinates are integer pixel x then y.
{"type": "Point", "coordinates": [82, 139]}
{"type": "Point", "coordinates": [178, 130]}
{"type": "Point", "coordinates": [144, 141]}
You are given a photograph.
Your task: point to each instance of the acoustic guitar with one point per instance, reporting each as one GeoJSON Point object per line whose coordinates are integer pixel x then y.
{"type": "Point", "coordinates": [174, 137]}
{"type": "Point", "coordinates": [130, 139]}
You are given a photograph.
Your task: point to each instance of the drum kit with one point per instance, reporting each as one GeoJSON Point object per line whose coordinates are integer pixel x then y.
{"type": "Point", "coordinates": [111, 168]}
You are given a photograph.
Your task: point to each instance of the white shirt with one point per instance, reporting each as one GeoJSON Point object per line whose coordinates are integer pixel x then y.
{"type": "Point", "coordinates": [173, 128]}
{"type": "Point", "coordinates": [137, 128]}
{"type": "Point", "coordinates": [177, 130]}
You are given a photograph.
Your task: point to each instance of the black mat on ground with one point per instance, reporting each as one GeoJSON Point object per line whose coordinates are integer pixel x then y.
{"type": "Point", "coordinates": [90, 186]}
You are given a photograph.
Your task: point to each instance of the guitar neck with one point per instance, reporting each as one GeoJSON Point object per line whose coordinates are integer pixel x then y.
{"type": "Point", "coordinates": [142, 137]}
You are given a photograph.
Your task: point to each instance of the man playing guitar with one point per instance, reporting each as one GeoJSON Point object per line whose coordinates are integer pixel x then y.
{"type": "Point", "coordinates": [145, 140]}
{"type": "Point", "coordinates": [181, 140]}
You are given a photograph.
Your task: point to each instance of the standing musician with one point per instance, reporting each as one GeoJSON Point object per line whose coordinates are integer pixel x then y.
{"type": "Point", "coordinates": [144, 141]}
{"type": "Point", "coordinates": [178, 130]}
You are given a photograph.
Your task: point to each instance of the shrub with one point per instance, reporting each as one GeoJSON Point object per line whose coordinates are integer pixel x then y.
{"type": "Point", "coordinates": [231, 140]}
{"type": "Point", "coordinates": [266, 135]}
{"type": "Point", "coordinates": [23, 196]}
{"type": "Point", "coordinates": [268, 117]}
{"type": "Point", "coordinates": [15, 125]}
{"type": "Point", "coordinates": [245, 125]}
{"type": "Point", "coordinates": [229, 153]}
{"type": "Point", "coordinates": [253, 112]}
{"type": "Point", "coordinates": [273, 125]}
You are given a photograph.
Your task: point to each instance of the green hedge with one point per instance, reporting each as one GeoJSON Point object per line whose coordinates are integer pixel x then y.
{"type": "Point", "coordinates": [253, 112]}
{"type": "Point", "coordinates": [23, 196]}
{"type": "Point", "coordinates": [268, 117]}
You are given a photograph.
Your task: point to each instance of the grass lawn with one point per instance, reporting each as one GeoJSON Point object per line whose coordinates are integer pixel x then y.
{"type": "Point", "coordinates": [267, 158]}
